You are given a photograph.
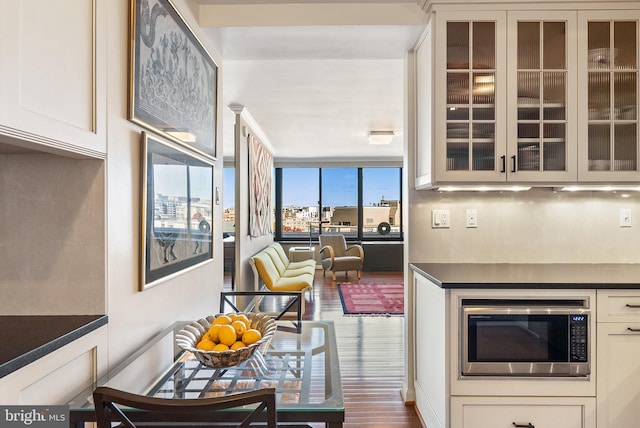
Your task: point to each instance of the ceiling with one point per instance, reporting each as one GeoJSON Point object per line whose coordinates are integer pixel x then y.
{"type": "Point", "coordinates": [315, 76]}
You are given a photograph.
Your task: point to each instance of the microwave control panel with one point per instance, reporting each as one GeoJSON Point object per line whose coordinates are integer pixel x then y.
{"type": "Point", "coordinates": [578, 338]}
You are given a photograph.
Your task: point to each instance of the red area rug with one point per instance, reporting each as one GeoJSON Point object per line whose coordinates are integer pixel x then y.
{"type": "Point", "coordinates": [372, 299]}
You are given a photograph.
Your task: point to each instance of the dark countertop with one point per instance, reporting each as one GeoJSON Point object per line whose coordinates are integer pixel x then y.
{"type": "Point", "coordinates": [530, 275]}
{"type": "Point", "coordinates": [26, 338]}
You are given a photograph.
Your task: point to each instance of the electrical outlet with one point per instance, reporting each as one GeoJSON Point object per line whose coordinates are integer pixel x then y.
{"type": "Point", "coordinates": [439, 219]}
{"type": "Point", "coordinates": [472, 218]}
{"type": "Point", "coordinates": [625, 217]}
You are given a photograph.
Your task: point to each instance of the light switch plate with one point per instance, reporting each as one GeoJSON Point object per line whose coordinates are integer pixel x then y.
{"type": "Point", "coordinates": [625, 217]}
{"type": "Point", "coordinates": [440, 219]}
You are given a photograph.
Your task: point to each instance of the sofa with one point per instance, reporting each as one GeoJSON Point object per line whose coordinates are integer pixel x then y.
{"type": "Point", "coordinates": [272, 268]}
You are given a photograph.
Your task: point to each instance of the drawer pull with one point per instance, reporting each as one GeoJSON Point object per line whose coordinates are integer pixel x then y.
{"type": "Point", "coordinates": [527, 425]}
{"type": "Point", "coordinates": [633, 306]}
{"type": "Point", "coordinates": [633, 330]}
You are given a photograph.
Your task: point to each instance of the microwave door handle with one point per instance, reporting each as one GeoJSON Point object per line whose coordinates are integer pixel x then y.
{"type": "Point", "coordinates": [521, 425]}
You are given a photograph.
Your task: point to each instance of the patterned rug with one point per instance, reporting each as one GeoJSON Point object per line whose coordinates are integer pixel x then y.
{"type": "Point", "coordinates": [371, 299]}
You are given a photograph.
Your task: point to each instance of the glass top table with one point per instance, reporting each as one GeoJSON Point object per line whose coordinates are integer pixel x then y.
{"type": "Point", "coordinates": [303, 367]}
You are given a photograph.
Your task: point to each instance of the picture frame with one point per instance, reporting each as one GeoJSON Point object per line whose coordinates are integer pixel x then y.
{"type": "Point", "coordinates": [177, 202]}
{"type": "Point", "coordinates": [173, 81]}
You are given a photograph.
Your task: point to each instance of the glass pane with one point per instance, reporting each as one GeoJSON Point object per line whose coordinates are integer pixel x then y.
{"type": "Point", "coordinates": [599, 147]}
{"type": "Point", "coordinates": [483, 130]}
{"type": "Point", "coordinates": [484, 113]}
{"type": "Point", "coordinates": [625, 44]}
{"type": "Point", "coordinates": [599, 99]}
{"type": "Point", "coordinates": [484, 42]}
{"type": "Point", "coordinates": [554, 95]}
{"type": "Point", "coordinates": [625, 149]}
{"type": "Point", "coordinates": [483, 88]}
{"type": "Point", "coordinates": [457, 88]}
{"type": "Point", "coordinates": [554, 131]}
{"type": "Point", "coordinates": [554, 45]}
{"type": "Point", "coordinates": [457, 130]}
{"type": "Point", "coordinates": [554, 156]}
{"type": "Point", "coordinates": [228, 203]}
{"type": "Point", "coordinates": [528, 156]}
{"type": "Point", "coordinates": [528, 130]}
{"type": "Point", "coordinates": [381, 203]}
{"type": "Point", "coordinates": [339, 199]}
{"type": "Point", "coordinates": [300, 203]}
{"type": "Point", "coordinates": [483, 157]}
{"type": "Point", "coordinates": [529, 45]}
{"type": "Point", "coordinates": [457, 157]}
{"type": "Point", "coordinates": [599, 44]}
{"type": "Point", "coordinates": [458, 45]}
{"type": "Point", "coordinates": [528, 88]}
{"type": "Point", "coordinates": [457, 113]}
{"type": "Point", "coordinates": [624, 95]}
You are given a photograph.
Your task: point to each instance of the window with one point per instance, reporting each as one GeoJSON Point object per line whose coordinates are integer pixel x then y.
{"type": "Point", "coordinates": [228, 203]}
{"type": "Point", "coordinates": [361, 203]}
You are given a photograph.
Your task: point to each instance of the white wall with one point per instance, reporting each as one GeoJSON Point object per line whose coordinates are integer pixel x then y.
{"type": "Point", "coordinates": [538, 226]}
{"type": "Point", "coordinates": [135, 316]}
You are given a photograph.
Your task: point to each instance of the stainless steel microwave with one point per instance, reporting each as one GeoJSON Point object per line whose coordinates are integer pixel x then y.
{"type": "Point", "coordinates": [525, 337]}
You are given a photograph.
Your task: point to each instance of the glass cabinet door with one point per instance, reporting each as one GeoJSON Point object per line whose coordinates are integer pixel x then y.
{"type": "Point", "coordinates": [612, 70]}
{"type": "Point", "coordinates": [469, 85]}
{"type": "Point", "coordinates": [541, 124]}
{"type": "Point", "coordinates": [470, 106]}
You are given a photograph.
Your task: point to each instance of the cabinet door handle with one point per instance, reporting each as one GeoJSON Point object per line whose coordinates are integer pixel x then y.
{"type": "Point", "coordinates": [504, 163]}
{"type": "Point", "coordinates": [633, 330]}
{"type": "Point", "coordinates": [527, 425]}
{"type": "Point", "coordinates": [513, 161]}
{"type": "Point", "coordinates": [632, 306]}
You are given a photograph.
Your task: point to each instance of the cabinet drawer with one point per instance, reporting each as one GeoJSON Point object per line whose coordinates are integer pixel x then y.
{"type": "Point", "coordinates": [511, 412]}
{"type": "Point", "coordinates": [618, 305]}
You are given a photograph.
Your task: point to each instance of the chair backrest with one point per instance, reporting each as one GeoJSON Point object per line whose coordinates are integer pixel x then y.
{"type": "Point", "coordinates": [266, 269]}
{"type": "Point", "coordinates": [110, 407]}
{"type": "Point", "coordinates": [335, 241]}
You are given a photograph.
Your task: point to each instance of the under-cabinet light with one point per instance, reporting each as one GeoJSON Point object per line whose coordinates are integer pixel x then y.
{"type": "Point", "coordinates": [480, 188]}
{"type": "Point", "coordinates": [380, 137]}
{"type": "Point", "coordinates": [598, 188]}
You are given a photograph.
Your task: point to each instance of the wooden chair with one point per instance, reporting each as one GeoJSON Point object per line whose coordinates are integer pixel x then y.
{"type": "Point", "coordinates": [155, 411]}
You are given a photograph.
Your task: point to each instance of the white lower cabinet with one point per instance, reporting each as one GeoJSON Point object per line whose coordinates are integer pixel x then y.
{"type": "Point", "coordinates": [525, 412]}
{"type": "Point", "coordinates": [618, 389]}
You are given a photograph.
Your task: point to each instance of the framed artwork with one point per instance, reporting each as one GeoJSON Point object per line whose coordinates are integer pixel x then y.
{"type": "Point", "coordinates": [177, 210]}
{"type": "Point", "coordinates": [173, 80]}
{"type": "Point", "coordinates": [260, 187]}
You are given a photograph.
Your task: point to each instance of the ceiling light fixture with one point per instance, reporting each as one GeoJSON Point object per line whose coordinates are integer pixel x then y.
{"type": "Point", "coordinates": [380, 137]}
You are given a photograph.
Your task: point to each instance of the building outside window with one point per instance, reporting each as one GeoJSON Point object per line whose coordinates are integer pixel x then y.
{"type": "Point", "coordinates": [361, 203]}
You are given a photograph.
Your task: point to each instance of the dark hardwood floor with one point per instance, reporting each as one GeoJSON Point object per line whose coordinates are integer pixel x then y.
{"type": "Point", "coordinates": [370, 352]}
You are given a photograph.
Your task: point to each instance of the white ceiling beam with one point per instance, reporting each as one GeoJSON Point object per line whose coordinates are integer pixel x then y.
{"type": "Point", "coordinates": [265, 15]}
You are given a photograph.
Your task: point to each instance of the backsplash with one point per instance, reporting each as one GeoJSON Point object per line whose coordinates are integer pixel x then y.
{"type": "Point", "coordinates": [536, 226]}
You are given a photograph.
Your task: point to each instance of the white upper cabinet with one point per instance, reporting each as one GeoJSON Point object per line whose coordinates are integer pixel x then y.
{"type": "Point", "coordinates": [531, 97]}
{"type": "Point", "coordinates": [541, 129]}
{"type": "Point", "coordinates": [608, 96]}
{"type": "Point", "coordinates": [53, 76]}
{"type": "Point", "coordinates": [470, 94]}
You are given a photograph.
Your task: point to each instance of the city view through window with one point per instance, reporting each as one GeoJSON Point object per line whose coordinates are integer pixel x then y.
{"type": "Point", "coordinates": [351, 201]}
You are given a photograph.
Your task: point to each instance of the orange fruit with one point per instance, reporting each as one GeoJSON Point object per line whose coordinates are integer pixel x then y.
{"type": "Point", "coordinates": [240, 327]}
{"type": "Point", "coordinates": [251, 336]}
{"type": "Point", "coordinates": [222, 319]}
{"type": "Point", "coordinates": [221, 347]}
{"type": "Point", "coordinates": [212, 334]}
{"type": "Point", "coordinates": [227, 334]}
{"type": "Point", "coordinates": [205, 345]}
{"type": "Point", "coordinates": [238, 345]}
